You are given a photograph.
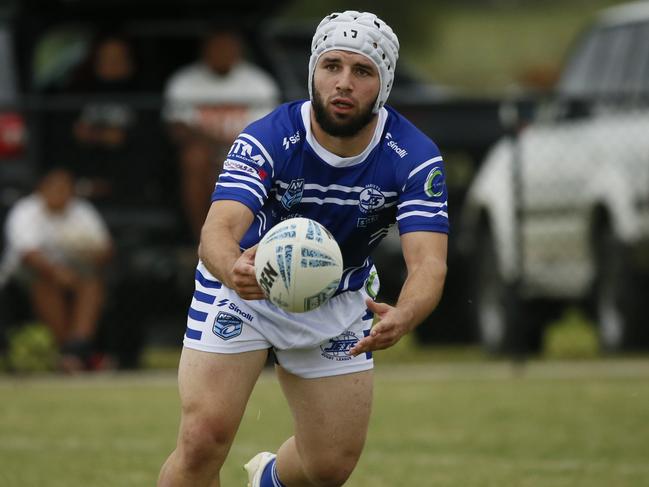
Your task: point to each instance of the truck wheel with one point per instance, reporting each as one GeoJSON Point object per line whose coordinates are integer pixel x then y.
{"type": "Point", "coordinates": [618, 297]}
{"type": "Point", "coordinates": [500, 317]}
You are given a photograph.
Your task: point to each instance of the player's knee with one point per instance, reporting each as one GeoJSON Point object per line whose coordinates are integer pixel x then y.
{"type": "Point", "coordinates": [330, 470]}
{"type": "Point", "coordinates": [204, 442]}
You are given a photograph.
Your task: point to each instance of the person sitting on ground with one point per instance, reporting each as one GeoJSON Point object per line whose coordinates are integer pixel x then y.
{"type": "Point", "coordinates": [58, 245]}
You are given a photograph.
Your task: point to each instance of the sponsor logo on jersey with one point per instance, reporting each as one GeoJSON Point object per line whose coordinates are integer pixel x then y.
{"type": "Point", "coordinates": [395, 146]}
{"type": "Point", "coordinates": [289, 141]}
{"type": "Point", "coordinates": [434, 185]}
{"type": "Point", "coordinates": [338, 348]}
{"type": "Point", "coordinates": [293, 194]}
{"type": "Point", "coordinates": [230, 165]}
{"type": "Point", "coordinates": [366, 220]}
{"type": "Point", "coordinates": [233, 307]}
{"type": "Point", "coordinates": [227, 326]}
{"type": "Point", "coordinates": [242, 149]}
{"type": "Point", "coordinates": [371, 199]}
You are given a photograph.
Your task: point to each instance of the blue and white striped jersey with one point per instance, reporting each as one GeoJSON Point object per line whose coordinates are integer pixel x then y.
{"type": "Point", "coordinates": [278, 170]}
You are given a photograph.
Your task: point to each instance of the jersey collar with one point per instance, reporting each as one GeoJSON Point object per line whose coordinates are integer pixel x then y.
{"type": "Point", "coordinates": [331, 158]}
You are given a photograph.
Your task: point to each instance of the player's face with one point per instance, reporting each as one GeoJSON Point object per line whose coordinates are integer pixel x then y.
{"type": "Point", "coordinates": [345, 87]}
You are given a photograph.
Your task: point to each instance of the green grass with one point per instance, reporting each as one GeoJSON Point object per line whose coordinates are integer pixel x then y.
{"type": "Point", "coordinates": [477, 423]}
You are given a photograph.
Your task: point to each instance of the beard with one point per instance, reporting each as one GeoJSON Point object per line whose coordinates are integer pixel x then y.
{"type": "Point", "coordinates": [337, 127]}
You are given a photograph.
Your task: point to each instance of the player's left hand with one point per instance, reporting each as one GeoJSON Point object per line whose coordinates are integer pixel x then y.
{"type": "Point", "coordinates": [392, 325]}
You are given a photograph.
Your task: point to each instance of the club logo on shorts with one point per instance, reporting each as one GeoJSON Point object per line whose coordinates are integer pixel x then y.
{"type": "Point", "coordinates": [371, 199]}
{"type": "Point", "coordinates": [293, 194]}
{"type": "Point", "coordinates": [338, 348]}
{"type": "Point", "coordinates": [227, 326]}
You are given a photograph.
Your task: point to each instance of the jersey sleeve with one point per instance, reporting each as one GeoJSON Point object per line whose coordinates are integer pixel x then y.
{"type": "Point", "coordinates": [248, 167]}
{"type": "Point", "coordinates": [423, 202]}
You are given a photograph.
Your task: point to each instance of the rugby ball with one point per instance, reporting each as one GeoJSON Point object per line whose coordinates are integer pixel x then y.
{"type": "Point", "coordinates": [298, 265]}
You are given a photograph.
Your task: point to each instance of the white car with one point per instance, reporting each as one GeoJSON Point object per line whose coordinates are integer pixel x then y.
{"type": "Point", "coordinates": [559, 211]}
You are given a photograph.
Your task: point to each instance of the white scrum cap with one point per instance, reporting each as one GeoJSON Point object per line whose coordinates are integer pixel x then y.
{"type": "Point", "coordinates": [363, 33]}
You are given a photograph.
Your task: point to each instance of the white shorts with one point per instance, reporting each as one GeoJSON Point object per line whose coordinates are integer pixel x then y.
{"type": "Point", "coordinates": [309, 345]}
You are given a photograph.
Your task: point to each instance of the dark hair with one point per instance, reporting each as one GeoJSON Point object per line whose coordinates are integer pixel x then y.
{"type": "Point", "coordinates": [83, 76]}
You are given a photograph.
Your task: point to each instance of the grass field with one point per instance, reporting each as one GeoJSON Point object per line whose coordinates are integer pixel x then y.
{"type": "Point", "coordinates": [476, 423]}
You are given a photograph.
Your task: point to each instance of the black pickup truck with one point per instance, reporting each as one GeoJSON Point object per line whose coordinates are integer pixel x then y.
{"type": "Point", "coordinates": [40, 44]}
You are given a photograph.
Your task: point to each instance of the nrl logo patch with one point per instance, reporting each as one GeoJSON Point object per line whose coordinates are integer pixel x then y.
{"type": "Point", "coordinates": [293, 194]}
{"type": "Point", "coordinates": [227, 326]}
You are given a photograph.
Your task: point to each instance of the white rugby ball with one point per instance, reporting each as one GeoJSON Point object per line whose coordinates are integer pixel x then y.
{"type": "Point", "coordinates": [298, 265]}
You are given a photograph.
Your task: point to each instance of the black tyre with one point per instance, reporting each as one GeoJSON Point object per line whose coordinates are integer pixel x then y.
{"type": "Point", "coordinates": [500, 319]}
{"type": "Point", "coordinates": [618, 297]}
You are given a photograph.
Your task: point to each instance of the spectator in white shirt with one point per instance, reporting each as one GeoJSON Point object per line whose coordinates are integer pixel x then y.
{"type": "Point", "coordinates": [57, 245]}
{"type": "Point", "coordinates": [207, 104]}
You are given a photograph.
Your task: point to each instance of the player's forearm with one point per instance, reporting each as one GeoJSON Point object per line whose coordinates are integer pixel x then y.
{"type": "Point", "coordinates": [218, 250]}
{"type": "Point", "coordinates": [225, 225]}
{"type": "Point", "coordinates": [422, 290]}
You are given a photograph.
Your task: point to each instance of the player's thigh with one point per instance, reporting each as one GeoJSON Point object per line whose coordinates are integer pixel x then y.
{"type": "Point", "coordinates": [214, 389]}
{"type": "Point", "coordinates": [331, 413]}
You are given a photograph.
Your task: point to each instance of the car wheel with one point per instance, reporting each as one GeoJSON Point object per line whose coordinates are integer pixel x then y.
{"type": "Point", "coordinates": [617, 297]}
{"type": "Point", "coordinates": [501, 323]}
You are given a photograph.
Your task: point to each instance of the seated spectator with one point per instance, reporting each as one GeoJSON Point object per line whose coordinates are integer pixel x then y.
{"type": "Point", "coordinates": [104, 125]}
{"type": "Point", "coordinates": [58, 244]}
{"type": "Point", "coordinates": [113, 72]}
{"type": "Point", "coordinates": [207, 104]}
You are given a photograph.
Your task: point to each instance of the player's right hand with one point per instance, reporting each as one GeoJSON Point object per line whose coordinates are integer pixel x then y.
{"type": "Point", "coordinates": [243, 280]}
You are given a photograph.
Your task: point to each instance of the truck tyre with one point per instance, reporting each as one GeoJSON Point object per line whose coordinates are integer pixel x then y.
{"type": "Point", "coordinates": [618, 297]}
{"type": "Point", "coordinates": [501, 322]}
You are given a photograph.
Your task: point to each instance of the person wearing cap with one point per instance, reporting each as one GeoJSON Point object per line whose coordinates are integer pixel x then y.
{"type": "Point", "coordinates": [355, 165]}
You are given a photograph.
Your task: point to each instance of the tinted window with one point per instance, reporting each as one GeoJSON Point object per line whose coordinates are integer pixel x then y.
{"type": "Point", "coordinates": [605, 63]}
{"type": "Point", "coordinates": [616, 58]}
{"type": "Point", "coordinates": [636, 61]}
{"type": "Point", "coordinates": [576, 75]}
{"type": "Point", "coordinates": [642, 83]}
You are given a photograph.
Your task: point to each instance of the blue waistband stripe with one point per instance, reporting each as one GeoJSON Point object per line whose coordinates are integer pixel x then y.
{"type": "Point", "coordinates": [193, 334]}
{"type": "Point", "coordinates": [203, 297]}
{"type": "Point", "coordinates": [206, 282]}
{"type": "Point", "coordinates": [368, 315]}
{"type": "Point", "coordinates": [194, 314]}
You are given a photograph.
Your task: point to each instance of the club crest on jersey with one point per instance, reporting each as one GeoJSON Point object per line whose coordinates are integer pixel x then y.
{"type": "Point", "coordinates": [371, 199]}
{"type": "Point", "coordinates": [293, 194]}
{"type": "Point", "coordinates": [434, 185]}
{"type": "Point", "coordinates": [338, 348]}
